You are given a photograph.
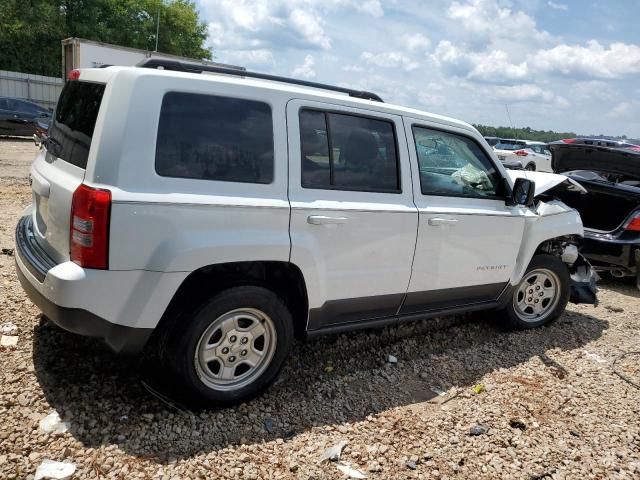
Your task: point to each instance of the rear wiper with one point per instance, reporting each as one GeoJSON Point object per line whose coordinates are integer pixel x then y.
{"type": "Point", "coordinates": [52, 141]}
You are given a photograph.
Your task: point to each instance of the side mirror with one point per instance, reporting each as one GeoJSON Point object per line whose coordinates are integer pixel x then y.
{"type": "Point", "coordinates": [523, 192]}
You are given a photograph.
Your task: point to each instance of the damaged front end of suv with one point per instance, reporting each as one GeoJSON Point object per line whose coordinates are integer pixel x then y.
{"type": "Point", "coordinates": [550, 209]}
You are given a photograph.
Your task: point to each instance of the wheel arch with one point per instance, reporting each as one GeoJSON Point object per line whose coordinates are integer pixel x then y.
{"type": "Point", "coordinates": [283, 278]}
{"type": "Point", "coordinates": [543, 230]}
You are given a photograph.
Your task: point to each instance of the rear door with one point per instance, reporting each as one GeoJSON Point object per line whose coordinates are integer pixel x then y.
{"type": "Point", "coordinates": [353, 221]}
{"type": "Point", "coordinates": [60, 167]}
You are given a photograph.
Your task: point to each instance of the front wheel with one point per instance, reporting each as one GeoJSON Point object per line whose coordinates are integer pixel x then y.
{"type": "Point", "coordinates": [233, 347]}
{"type": "Point", "coordinates": [531, 167]}
{"type": "Point", "coordinates": [541, 296]}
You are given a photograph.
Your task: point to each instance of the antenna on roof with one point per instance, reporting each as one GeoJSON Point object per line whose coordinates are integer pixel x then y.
{"type": "Point", "coordinates": [179, 66]}
{"type": "Point", "coordinates": [515, 134]}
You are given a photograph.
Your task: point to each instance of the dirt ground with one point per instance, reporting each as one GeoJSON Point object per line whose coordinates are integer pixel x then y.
{"type": "Point", "coordinates": [464, 400]}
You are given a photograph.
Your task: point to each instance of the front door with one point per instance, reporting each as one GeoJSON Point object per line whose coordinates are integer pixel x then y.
{"type": "Point", "coordinates": [468, 238]}
{"type": "Point", "coordinates": [353, 221]}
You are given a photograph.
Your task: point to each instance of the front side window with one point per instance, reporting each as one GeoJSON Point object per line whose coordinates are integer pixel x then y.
{"type": "Point", "coordinates": [215, 138]}
{"type": "Point", "coordinates": [348, 152]}
{"type": "Point", "coordinates": [453, 165]}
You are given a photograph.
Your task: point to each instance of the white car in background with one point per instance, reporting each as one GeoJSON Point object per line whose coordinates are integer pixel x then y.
{"type": "Point", "coordinates": [534, 156]}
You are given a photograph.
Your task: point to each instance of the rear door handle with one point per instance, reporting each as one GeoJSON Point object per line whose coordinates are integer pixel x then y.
{"type": "Point", "coordinates": [324, 220]}
{"type": "Point", "coordinates": [442, 221]}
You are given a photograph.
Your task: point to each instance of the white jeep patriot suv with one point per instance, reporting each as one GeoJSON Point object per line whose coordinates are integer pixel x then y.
{"type": "Point", "coordinates": [212, 216]}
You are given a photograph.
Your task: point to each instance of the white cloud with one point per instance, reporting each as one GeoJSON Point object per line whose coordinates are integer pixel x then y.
{"type": "Point", "coordinates": [528, 92]}
{"type": "Point", "coordinates": [390, 60]}
{"type": "Point", "coordinates": [257, 24]}
{"type": "Point", "coordinates": [430, 99]}
{"type": "Point", "coordinates": [628, 110]}
{"type": "Point", "coordinates": [487, 19]}
{"type": "Point", "coordinates": [248, 58]}
{"type": "Point", "coordinates": [305, 70]}
{"type": "Point", "coordinates": [592, 60]}
{"type": "Point", "coordinates": [415, 41]}
{"type": "Point", "coordinates": [558, 6]}
{"type": "Point", "coordinates": [491, 67]}
{"type": "Point", "coordinates": [310, 27]}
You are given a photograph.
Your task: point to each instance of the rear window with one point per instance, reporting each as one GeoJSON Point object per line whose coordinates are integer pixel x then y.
{"type": "Point", "coordinates": [215, 138]}
{"type": "Point", "coordinates": [72, 127]}
{"type": "Point", "coordinates": [510, 146]}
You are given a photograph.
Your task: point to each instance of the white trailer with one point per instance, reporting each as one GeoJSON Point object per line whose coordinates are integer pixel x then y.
{"type": "Point", "coordinates": [81, 53]}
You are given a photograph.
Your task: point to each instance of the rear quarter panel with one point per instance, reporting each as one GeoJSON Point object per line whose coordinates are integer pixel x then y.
{"type": "Point", "coordinates": [177, 224]}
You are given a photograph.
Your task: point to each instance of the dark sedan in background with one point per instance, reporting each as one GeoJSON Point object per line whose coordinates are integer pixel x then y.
{"type": "Point", "coordinates": [610, 210]}
{"type": "Point", "coordinates": [19, 117]}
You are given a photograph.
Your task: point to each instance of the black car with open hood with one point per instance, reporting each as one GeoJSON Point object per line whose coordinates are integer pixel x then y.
{"type": "Point", "coordinates": [610, 210]}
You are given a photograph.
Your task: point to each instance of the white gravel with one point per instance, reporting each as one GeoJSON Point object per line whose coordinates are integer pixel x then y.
{"type": "Point", "coordinates": [552, 407]}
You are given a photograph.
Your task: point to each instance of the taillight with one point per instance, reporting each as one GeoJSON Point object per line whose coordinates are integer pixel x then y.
{"type": "Point", "coordinates": [73, 75]}
{"type": "Point", "coordinates": [89, 229]}
{"type": "Point", "coordinates": [633, 225]}
{"type": "Point", "coordinates": [521, 153]}
{"type": "Point", "coordinates": [570, 140]}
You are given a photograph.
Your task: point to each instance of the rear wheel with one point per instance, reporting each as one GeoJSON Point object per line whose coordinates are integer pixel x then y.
{"type": "Point", "coordinates": [531, 167]}
{"type": "Point", "coordinates": [233, 347]}
{"type": "Point", "coordinates": [541, 296]}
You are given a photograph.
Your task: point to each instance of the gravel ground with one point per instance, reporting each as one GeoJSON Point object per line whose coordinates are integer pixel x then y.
{"type": "Point", "coordinates": [531, 405]}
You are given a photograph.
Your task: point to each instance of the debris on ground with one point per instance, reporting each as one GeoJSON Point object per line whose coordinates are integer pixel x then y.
{"type": "Point", "coordinates": [517, 423]}
{"type": "Point", "coordinates": [479, 388]}
{"type": "Point", "coordinates": [392, 360]}
{"type": "Point", "coordinates": [614, 309]}
{"type": "Point", "coordinates": [7, 251]}
{"type": "Point", "coordinates": [50, 469]}
{"type": "Point", "coordinates": [411, 464]}
{"type": "Point", "coordinates": [478, 430]}
{"type": "Point", "coordinates": [349, 471]}
{"type": "Point", "coordinates": [333, 453]}
{"type": "Point", "coordinates": [594, 356]}
{"type": "Point", "coordinates": [438, 391]}
{"type": "Point", "coordinates": [52, 423]}
{"type": "Point", "coordinates": [8, 328]}
{"type": "Point", "coordinates": [268, 425]}
{"type": "Point", "coordinates": [8, 340]}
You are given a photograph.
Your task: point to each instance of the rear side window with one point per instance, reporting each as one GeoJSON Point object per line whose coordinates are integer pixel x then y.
{"type": "Point", "coordinates": [215, 138]}
{"type": "Point", "coordinates": [72, 127]}
{"type": "Point", "coordinates": [348, 152]}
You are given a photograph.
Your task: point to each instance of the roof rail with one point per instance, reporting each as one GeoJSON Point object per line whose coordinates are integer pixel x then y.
{"type": "Point", "coordinates": [179, 66]}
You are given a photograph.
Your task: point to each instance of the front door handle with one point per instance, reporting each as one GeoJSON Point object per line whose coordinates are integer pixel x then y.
{"type": "Point", "coordinates": [324, 220]}
{"type": "Point", "coordinates": [442, 221]}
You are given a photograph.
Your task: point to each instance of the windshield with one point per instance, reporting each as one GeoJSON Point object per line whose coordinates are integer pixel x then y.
{"type": "Point", "coordinates": [72, 126]}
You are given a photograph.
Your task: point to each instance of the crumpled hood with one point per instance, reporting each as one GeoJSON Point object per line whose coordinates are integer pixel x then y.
{"type": "Point", "coordinates": [568, 157]}
{"type": "Point", "coordinates": [546, 181]}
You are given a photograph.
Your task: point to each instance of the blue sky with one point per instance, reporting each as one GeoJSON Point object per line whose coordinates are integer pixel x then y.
{"type": "Point", "coordinates": [559, 65]}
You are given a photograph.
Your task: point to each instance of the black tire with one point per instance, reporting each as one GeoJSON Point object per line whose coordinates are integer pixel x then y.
{"type": "Point", "coordinates": [531, 167]}
{"type": "Point", "coordinates": [512, 317]}
{"type": "Point", "coordinates": [181, 352]}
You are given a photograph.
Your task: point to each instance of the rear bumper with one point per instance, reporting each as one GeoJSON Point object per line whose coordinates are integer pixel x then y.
{"type": "Point", "coordinates": [120, 307]}
{"type": "Point", "coordinates": [119, 338]}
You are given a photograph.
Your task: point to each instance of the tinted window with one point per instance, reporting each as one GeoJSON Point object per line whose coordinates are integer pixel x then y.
{"type": "Point", "coordinates": [348, 152]}
{"type": "Point", "coordinates": [215, 138]}
{"type": "Point", "coordinates": [3, 104]}
{"type": "Point", "coordinates": [452, 164]}
{"type": "Point", "coordinates": [72, 127]}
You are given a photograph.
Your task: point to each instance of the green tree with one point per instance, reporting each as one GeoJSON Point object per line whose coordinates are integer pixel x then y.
{"type": "Point", "coordinates": [31, 30]}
